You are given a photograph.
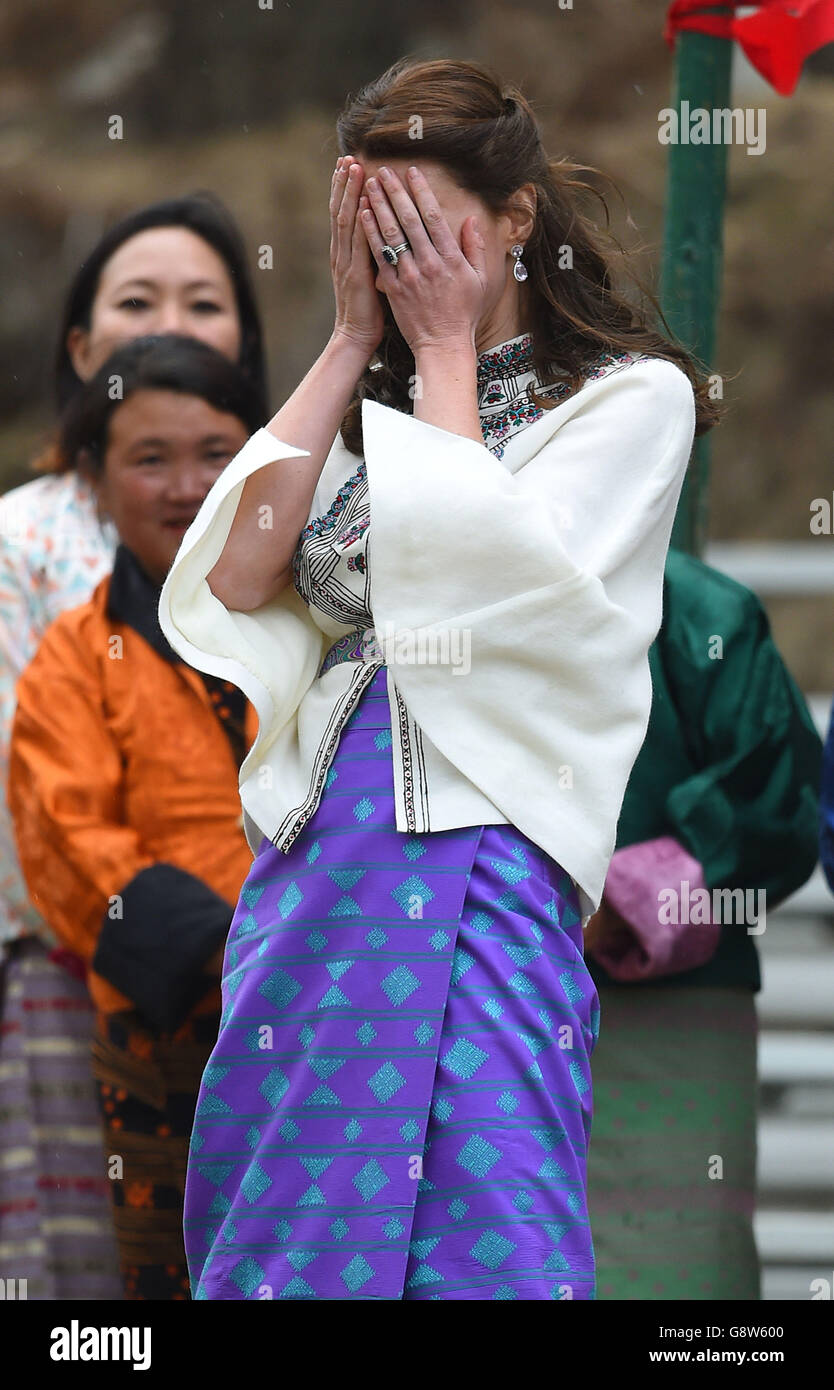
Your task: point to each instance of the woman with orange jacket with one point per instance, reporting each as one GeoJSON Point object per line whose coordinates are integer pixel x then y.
{"type": "Point", "coordinates": [124, 783]}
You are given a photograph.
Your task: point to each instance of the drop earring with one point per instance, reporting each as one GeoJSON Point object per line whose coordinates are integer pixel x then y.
{"type": "Point", "coordinates": [519, 268]}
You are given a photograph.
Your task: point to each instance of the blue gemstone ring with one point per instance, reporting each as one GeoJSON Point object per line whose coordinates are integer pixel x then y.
{"type": "Point", "coordinates": [392, 253]}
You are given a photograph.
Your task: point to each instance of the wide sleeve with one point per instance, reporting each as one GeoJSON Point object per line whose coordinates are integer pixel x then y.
{"type": "Point", "coordinates": [145, 926]}
{"type": "Point", "coordinates": [749, 814]}
{"type": "Point", "coordinates": [552, 574]}
{"type": "Point", "coordinates": [273, 653]}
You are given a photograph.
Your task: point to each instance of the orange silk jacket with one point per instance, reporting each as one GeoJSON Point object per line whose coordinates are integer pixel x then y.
{"type": "Point", "coordinates": [124, 792]}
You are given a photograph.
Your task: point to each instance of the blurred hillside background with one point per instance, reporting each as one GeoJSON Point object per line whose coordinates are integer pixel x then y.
{"type": "Point", "coordinates": [242, 100]}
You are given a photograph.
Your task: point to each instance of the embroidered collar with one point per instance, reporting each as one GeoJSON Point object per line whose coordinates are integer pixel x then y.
{"type": "Point", "coordinates": [133, 598]}
{"type": "Point", "coordinates": [506, 375]}
{"type": "Point", "coordinates": [507, 359]}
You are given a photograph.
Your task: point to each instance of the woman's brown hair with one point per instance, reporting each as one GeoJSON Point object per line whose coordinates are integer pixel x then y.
{"type": "Point", "coordinates": [485, 134]}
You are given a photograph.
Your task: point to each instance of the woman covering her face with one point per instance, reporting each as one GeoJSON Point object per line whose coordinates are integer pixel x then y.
{"type": "Point", "coordinates": [123, 783]}
{"type": "Point", "coordinates": [175, 266]}
{"type": "Point", "coordinates": [437, 575]}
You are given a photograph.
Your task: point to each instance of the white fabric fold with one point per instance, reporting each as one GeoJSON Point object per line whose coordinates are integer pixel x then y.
{"type": "Point", "coordinates": [548, 562]}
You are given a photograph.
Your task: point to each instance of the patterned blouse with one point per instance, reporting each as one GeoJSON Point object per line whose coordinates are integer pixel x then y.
{"type": "Point", "coordinates": [326, 566]}
{"type": "Point", "coordinates": [53, 552]}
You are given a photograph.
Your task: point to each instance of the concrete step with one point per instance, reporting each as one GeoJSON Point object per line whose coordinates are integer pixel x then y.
{"type": "Point", "coordinates": [796, 1155]}
{"type": "Point", "coordinates": [795, 1058]}
{"type": "Point", "coordinates": [803, 1238]}
{"type": "Point", "coordinates": [797, 992]}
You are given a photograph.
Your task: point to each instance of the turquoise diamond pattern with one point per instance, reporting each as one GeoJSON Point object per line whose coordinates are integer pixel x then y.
{"type": "Point", "coordinates": [511, 873]}
{"type": "Point", "coordinates": [289, 899]}
{"type": "Point", "coordinates": [346, 878]}
{"type": "Point", "coordinates": [400, 984]}
{"type": "Point", "coordinates": [343, 1112]}
{"type": "Point", "coordinates": [412, 890]}
{"type": "Point", "coordinates": [492, 1249]}
{"type": "Point", "coordinates": [247, 1274]}
{"type": "Point", "coordinates": [274, 1087]}
{"type": "Point", "coordinates": [461, 962]}
{"type": "Point", "coordinates": [571, 988]}
{"type": "Point", "coordinates": [280, 988]}
{"type": "Point", "coordinates": [386, 1082]}
{"type": "Point", "coordinates": [255, 1183]}
{"type": "Point", "coordinates": [357, 1273]}
{"type": "Point", "coordinates": [370, 1180]}
{"type": "Point", "coordinates": [424, 1274]}
{"type": "Point", "coordinates": [345, 907]}
{"type": "Point", "coordinates": [464, 1058]}
{"type": "Point", "coordinates": [478, 1155]}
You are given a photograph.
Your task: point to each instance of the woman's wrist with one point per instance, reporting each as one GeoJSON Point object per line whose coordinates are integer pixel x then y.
{"type": "Point", "coordinates": [445, 388]}
{"type": "Point", "coordinates": [343, 346]}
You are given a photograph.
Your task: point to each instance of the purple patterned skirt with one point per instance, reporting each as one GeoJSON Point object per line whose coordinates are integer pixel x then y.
{"type": "Point", "coordinates": [398, 1105]}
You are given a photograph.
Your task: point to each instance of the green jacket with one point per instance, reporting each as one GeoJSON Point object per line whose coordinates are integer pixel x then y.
{"type": "Point", "coordinates": [731, 763]}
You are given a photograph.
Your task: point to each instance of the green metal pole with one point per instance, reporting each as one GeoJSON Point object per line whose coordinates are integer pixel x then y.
{"type": "Point", "coordinates": [693, 244]}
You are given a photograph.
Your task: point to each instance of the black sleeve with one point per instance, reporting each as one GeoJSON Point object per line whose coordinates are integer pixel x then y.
{"type": "Point", "coordinates": [172, 923]}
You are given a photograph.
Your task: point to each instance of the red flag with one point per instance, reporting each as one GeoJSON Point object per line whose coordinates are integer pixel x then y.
{"type": "Point", "coordinates": [777, 38]}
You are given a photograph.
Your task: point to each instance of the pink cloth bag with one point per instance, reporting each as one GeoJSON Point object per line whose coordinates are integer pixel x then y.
{"type": "Point", "coordinates": [653, 946]}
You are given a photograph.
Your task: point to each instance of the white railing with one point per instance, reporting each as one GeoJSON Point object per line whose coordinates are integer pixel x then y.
{"type": "Point", "coordinates": [795, 1217]}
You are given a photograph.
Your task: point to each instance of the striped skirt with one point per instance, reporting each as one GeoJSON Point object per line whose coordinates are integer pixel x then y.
{"type": "Point", "coordinates": [56, 1230]}
{"type": "Point", "coordinates": [398, 1104]}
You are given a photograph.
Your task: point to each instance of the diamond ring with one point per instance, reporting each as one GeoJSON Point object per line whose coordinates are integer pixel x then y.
{"type": "Point", "coordinates": [392, 253]}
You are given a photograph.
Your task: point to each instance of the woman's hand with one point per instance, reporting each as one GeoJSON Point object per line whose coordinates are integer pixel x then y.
{"type": "Point", "coordinates": [214, 965]}
{"type": "Point", "coordinates": [604, 927]}
{"type": "Point", "coordinates": [359, 312]}
{"type": "Point", "coordinates": [437, 289]}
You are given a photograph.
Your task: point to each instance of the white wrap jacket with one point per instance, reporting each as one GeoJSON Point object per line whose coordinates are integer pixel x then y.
{"type": "Point", "coordinates": [545, 566]}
